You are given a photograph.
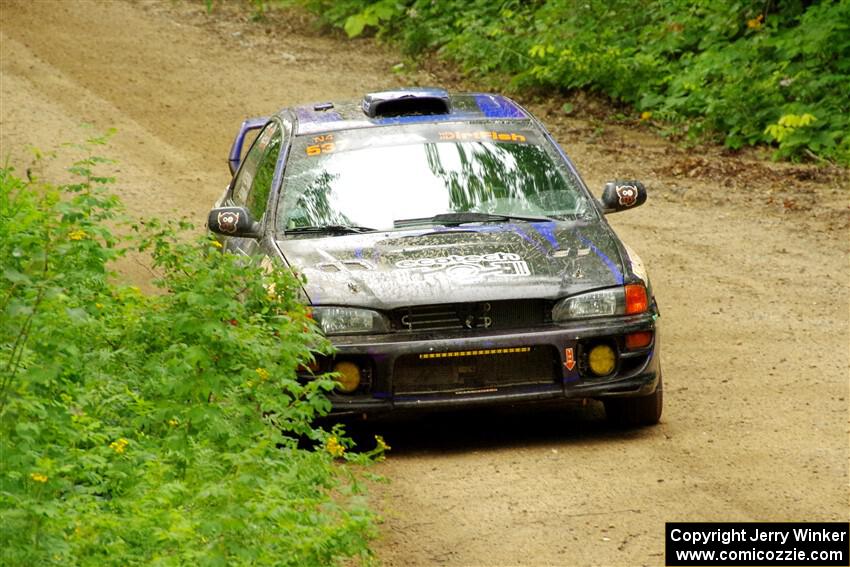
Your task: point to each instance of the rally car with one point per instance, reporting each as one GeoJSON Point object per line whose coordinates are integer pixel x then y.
{"type": "Point", "coordinates": [452, 253]}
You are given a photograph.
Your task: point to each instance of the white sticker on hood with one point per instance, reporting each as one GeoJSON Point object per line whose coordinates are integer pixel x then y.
{"type": "Point", "coordinates": [472, 266]}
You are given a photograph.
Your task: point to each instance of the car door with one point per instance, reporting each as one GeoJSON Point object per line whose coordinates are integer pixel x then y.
{"type": "Point", "coordinates": [252, 185]}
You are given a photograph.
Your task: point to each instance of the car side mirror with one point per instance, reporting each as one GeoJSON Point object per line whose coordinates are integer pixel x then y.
{"type": "Point", "coordinates": [621, 195]}
{"type": "Point", "coordinates": [233, 221]}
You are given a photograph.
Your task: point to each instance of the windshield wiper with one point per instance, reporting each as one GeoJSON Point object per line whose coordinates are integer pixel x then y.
{"type": "Point", "coordinates": [329, 229]}
{"type": "Point", "coordinates": [454, 219]}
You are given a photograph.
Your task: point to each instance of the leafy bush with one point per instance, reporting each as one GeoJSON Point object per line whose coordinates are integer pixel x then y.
{"type": "Point", "coordinates": [731, 68]}
{"type": "Point", "coordinates": [158, 429]}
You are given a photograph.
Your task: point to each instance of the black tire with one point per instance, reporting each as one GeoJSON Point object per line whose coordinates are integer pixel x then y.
{"type": "Point", "coordinates": [638, 411]}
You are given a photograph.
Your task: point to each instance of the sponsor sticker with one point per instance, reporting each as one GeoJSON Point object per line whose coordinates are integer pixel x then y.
{"type": "Point", "coordinates": [472, 266]}
{"type": "Point", "coordinates": [228, 221]}
{"type": "Point", "coordinates": [627, 195]}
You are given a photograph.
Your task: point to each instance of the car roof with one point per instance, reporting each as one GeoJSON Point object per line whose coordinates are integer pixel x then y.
{"type": "Point", "coordinates": [466, 107]}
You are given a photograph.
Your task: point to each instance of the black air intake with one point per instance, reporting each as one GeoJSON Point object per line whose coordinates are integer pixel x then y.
{"type": "Point", "coordinates": [407, 102]}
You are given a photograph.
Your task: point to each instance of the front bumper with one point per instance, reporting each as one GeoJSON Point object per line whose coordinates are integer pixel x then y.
{"type": "Point", "coordinates": [381, 356]}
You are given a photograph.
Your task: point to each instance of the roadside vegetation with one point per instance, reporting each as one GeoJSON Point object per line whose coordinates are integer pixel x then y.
{"type": "Point", "coordinates": [741, 72]}
{"type": "Point", "coordinates": [164, 428]}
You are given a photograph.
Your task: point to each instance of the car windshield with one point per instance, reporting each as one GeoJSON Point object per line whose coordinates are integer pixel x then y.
{"type": "Point", "coordinates": [397, 177]}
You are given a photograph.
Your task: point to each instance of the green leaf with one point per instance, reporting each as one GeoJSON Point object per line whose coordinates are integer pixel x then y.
{"type": "Point", "coordinates": [16, 277]}
{"type": "Point", "coordinates": [354, 25]}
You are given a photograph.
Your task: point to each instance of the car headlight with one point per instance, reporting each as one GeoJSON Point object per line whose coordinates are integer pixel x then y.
{"type": "Point", "coordinates": [349, 320]}
{"type": "Point", "coordinates": [624, 300]}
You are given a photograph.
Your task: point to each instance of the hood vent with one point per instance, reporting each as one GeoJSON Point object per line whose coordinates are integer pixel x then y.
{"type": "Point", "coordinates": [406, 102]}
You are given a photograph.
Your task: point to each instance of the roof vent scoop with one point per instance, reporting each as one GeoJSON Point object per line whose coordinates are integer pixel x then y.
{"type": "Point", "coordinates": [407, 102]}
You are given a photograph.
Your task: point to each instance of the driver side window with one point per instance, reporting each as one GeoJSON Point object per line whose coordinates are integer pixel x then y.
{"type": "Point", "coordinates": [244, 179]}
{"type": "Point", "coordinates": [258, 195]}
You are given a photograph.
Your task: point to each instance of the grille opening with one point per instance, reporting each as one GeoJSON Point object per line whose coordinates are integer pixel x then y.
{"type": "Point", "coordinates": [632, 365]}
{"type": "Point", "coordinates": [467, 371]}
{"type": "Point", "coordinates": [481, 316]}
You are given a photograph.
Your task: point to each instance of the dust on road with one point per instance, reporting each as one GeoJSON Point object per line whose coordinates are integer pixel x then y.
{"type": "Point", "coordinates": [749, 260]}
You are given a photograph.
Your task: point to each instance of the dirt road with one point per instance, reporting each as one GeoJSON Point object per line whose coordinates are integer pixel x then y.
{"type": "Point", "coordinates": [749, 260]}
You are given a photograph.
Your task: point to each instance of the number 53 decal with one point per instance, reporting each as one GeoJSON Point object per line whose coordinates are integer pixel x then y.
{"type": "Point", "coordinates": [318, 149]}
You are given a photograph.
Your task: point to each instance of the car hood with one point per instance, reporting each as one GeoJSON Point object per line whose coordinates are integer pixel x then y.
{"type": "Point", "coordinates": [386, 270]}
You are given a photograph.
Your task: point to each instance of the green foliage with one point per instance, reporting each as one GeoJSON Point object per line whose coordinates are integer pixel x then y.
{"type": "Point", "coordinates": [158, 429]}
{"type": "Point", "coordinates": [372, 15]}
{"type": "Point", "coordinates": [725, 68]}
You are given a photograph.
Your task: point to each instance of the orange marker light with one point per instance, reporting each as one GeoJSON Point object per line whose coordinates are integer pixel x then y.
{"type": "Point", "coordinates": [638, 340]}
{"type": "Point", "coordinates": [636, 301]}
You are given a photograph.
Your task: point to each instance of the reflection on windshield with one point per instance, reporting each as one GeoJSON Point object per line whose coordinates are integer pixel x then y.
{"type": "Point", "coordinates": [490, 173]}
{"type": "Point", "coordinates": [315, 201]}
{"type": "Point", "coordinates": [372, 186]}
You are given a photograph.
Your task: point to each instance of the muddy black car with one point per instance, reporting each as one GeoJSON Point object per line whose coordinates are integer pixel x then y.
{"type": "Point", "coordinates": [452, 254]}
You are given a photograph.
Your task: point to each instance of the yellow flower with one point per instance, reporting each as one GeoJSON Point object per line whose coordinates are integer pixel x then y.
{"type": "Point", "coordinates": [119, 445]}
{"type": "Point", "coordinates": [381, 444]}
{"type": "Point", "coordinates": [271, 292]}
{"type": "Point", "coordinates": [755, 23]}
{"type": "Point", "coordinates": [77, 234]}
{"type": "Point", "coordinates": [645, 115]}
{"type": "Point", "coordinates": [99, 305]}
{"type": "Point", "coordinates": [333, 447]}
{"type": "Point", "coordinates": [38, 477]}
{"type": "Point", "coordinates": [262, 373]}
{"type": "Point", "coordinates": [173, 422]}
{"type": "Point", "coordinates": [216, 243]}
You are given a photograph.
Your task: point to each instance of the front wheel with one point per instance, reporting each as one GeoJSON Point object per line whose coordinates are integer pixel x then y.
{"type": "Point", "coordinates": [637, 411]}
